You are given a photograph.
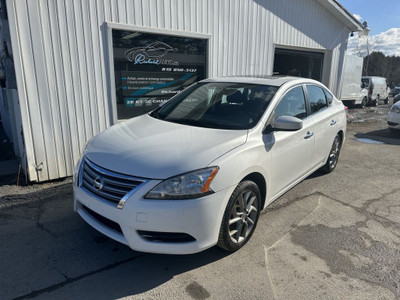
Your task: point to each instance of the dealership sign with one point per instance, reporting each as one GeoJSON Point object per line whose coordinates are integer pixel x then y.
{"type": "Point", "coordinates": [151, 68]}
{"type": "Point", "coordinates": [151, 54]}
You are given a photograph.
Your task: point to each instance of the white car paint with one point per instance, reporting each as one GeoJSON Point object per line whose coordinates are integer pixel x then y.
{"type": "Point", "coordinates": [148, 147]}
{"type": "Point", "coordinates": [393, 117]}
{"type": "Point", "coordinates": [155, 150]}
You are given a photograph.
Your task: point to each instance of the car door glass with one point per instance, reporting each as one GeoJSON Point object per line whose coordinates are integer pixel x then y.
{"type": "Point", "coordinates": [317, 98]}
{"type": "Point", "coordinates": [329, 96]}
{"type": "Point", "coordinates": [292, 104]}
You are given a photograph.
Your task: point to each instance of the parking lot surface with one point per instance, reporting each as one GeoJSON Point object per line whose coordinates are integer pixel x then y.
{"type": "Point", "coordinates": [333, 236]}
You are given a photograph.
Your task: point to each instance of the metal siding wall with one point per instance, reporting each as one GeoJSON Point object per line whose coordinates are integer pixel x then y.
{"type": "Point", "coordinates": [61, 57]}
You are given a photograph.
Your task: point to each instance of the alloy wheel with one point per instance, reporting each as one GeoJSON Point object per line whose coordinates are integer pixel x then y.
{"type": "Point", "coordinates": [334, 155]}
{"type": "Point", "coordinates": [243, 216]}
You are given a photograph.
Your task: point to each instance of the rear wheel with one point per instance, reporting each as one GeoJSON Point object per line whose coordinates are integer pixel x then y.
{"type": "Point", "coordinates": [364, 102]}
{"type": "Point", "coordinates": [333, 157]}
{"type": "Point", "coordinates": [376, 103]}
{"type": "Point", "coordinates": [240, 217]}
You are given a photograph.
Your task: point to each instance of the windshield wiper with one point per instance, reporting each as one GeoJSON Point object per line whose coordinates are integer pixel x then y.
{"type": "Point", "coordinates": [191, 122]}
{"type": "Point", "coordinates": [155, 114]}
{"type": "Point", "coordinates": [199, 123]}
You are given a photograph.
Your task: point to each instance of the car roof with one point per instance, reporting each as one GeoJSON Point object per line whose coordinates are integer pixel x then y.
{"type": "Point", "coordinates": [265, 80]}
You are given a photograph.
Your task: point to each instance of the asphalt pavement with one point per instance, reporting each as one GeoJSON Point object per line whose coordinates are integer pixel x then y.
{"type": "Point", "coordinates": [333, 236]}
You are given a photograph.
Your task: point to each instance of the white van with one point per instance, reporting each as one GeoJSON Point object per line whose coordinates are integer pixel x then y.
{"type": "Point", "coordinates": [351, 93]}
{"type": "Point", "coordinates": [377, 88]}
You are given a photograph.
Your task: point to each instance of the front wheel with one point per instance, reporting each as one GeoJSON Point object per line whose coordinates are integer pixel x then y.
{"type": "Point", "coordinates": [240, 217]}
{"type": "Point", "coordinates": [333, 157]}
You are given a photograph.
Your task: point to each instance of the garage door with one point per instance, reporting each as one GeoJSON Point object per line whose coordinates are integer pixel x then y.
{"type": "Point", "coordinates": [298, 63]}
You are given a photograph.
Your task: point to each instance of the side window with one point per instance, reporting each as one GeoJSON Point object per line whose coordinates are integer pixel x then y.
{"type": "Point", "coordinates": [292, 104]}
{"type": "Point", "coordinates": [317, 98]}
{"type": "Point", "coordinates": [329, 96]}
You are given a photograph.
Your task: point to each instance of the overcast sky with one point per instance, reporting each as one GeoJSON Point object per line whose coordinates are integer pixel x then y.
{"type": "Point", "coordinates": [383, 18]}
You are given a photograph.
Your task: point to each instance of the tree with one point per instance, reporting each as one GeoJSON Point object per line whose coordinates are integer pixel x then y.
{"type": "Point", "coordinates": [378, 64]}
{"type": "Point", "coordinates": [365, 46]}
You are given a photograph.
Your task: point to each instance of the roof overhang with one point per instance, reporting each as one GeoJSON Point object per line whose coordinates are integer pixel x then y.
{"type": "Point", "coordinates": [342, 14]}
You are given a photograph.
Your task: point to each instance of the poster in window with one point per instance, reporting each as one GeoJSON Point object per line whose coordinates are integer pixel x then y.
{"type": "Point", "coordinates": [151, 68]}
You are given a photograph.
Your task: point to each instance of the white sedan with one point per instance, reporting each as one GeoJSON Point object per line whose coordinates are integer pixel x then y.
{"type": "Point", "coordinates": [393, 118]}
{"type": "Point", "coordinates": [197, 171]}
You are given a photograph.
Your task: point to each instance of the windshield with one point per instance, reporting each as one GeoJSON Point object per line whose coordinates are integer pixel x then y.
{"type": "Point", "coordinates": [218, 105]}
{"type": "Point", "coordinates": [365, 82]}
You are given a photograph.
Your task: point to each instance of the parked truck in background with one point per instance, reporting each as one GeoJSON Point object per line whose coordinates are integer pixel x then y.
{"type": "Point", "coordinates": [377, 89]}
{"type": "Point", "coordinates": [352, 93]}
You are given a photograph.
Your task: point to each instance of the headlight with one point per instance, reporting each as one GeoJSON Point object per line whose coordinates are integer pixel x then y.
{"type": "Point", "coordinates": [78, 164]}
{"type": "Point", "coordinates": [395, 109]}
{"type": "Point", "coordinates": [186, 186]}
{"type": "Point", "coordinates": [76, 172]}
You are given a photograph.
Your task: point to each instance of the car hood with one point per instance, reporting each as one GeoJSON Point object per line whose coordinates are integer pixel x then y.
{"type": "Point", "coordinates": [151, 148]}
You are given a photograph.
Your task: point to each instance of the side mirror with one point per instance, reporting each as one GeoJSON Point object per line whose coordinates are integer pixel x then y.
{"type": "Point", "coordinates": [285, 123]}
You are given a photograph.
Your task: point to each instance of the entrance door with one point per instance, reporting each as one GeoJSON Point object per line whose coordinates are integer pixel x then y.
{"type": "Point", "coordinates": [298, 63]}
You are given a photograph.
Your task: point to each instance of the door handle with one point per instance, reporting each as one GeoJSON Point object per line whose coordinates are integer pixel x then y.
{"type": "Point", "coordinates": [308, 135]}
{"type": "Point", "coordinates": [333, 123]}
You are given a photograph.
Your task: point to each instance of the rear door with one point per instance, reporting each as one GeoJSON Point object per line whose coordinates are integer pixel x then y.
{"type": "Point", "coordinates": [325, 120]}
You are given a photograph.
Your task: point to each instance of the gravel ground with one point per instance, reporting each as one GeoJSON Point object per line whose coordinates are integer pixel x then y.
{"type": "Point", "coordinates": [12, 195]}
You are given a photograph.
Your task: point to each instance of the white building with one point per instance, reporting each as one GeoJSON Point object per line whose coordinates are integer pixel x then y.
{"type": "Point", "coordinates": [82, 65]}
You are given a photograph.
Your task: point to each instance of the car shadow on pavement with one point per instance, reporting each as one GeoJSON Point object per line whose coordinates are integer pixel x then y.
{"type": "Point", "coordinates": [50, 252]}
{"type": "Point", "coordinates": [383, 135]}
{"type": "Point", "coordinates": [316, 174]}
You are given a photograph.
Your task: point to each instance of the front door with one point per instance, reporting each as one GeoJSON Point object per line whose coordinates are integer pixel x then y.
{"type": "Point", "coordinates": [292, 151]}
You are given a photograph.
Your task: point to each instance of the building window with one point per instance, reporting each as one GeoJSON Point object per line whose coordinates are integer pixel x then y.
{"type": "Point", "coordinates": [151, 68]}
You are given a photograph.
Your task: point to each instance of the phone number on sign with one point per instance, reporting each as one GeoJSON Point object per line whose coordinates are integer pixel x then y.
{"type": "Point", "coordinates": [188, 70]}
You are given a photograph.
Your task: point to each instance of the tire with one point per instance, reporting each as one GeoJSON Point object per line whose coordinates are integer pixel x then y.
{"type": "Point", "coordinates": [376, 102]}
{"type": "Point", "coordinates": [386, 100]}
{"type": "Point", "coordinates": [363, 103]}
{"type": "Point", "coordinates": [333, 157]}
{"type": "Point", "coordinates": [240, 217]}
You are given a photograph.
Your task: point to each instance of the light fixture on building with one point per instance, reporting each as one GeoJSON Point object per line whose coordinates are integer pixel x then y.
{"type": "Point", "coordinates": [364, 31]}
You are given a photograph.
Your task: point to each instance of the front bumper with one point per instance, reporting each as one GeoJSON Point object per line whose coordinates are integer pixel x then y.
{"type": "Point", "coordinates": [196, 221]}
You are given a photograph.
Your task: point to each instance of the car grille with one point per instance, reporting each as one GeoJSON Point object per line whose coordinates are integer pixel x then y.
{"type": "Point", "coordinates": [392, 124]}
{"type": "Point", "coordinates": [106, 222]}
{"type": "Point", "coordinates": [111, 187]}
